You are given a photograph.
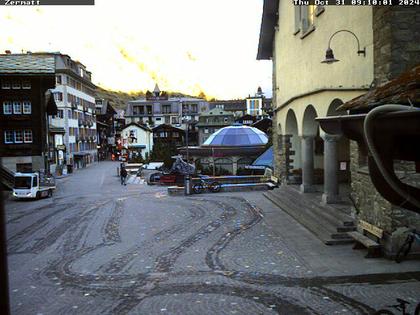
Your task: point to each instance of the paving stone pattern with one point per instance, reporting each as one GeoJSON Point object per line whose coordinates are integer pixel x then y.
{"type": "Point", "coordinates": [98, 247]}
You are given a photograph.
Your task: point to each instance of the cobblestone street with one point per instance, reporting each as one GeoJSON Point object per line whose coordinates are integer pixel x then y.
{"type": "Point", "coordinates": [98, 247]}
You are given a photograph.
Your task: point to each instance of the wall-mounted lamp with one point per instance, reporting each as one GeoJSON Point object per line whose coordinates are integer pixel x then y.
{"type": "Point", "coordinates": [329, 55]}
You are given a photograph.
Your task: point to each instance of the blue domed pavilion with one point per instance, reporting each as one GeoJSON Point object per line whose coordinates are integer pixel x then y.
{"type": "Point", "coordinates": [229, 150]}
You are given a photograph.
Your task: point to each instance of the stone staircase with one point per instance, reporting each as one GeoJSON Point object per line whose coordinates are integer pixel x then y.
{"type": "Point", "coordinates": [7, 178]}
{"type": "Point", "coordinates": [329, 224]}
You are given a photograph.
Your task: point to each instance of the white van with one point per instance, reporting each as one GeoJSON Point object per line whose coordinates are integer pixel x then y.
{"type": "Point", "coordinates": [33, 185]}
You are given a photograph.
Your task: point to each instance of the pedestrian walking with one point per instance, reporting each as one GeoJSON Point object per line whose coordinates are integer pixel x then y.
{"type": "Point", "coordinates": [123, 175]}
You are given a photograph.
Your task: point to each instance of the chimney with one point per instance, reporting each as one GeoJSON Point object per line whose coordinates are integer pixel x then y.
{"type": "Point", "coordinates": [8, 52]}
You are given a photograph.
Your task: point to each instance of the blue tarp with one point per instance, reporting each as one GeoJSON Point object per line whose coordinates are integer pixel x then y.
{"type": "Point", "coordinates": [265, 159]}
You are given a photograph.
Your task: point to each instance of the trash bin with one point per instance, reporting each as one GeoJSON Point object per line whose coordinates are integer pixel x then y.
{"type": "Point", "coordinates": [69, 168]}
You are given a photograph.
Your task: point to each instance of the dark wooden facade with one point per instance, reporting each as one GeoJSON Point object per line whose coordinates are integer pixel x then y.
{"type": "Point", "coordinates": [168, 134]}
{"type": "Point", "coordinates": [106, 128]}
{"type": "Point", "coordinates": [36, 121]}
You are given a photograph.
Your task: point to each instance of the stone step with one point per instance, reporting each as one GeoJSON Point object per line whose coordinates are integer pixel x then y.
{"type": "Point", "coordinates": [320, 228]}
{"type": "Point", "coordinates": [332, 215]}
{"type": "Point", "coordinates": [346, 228]}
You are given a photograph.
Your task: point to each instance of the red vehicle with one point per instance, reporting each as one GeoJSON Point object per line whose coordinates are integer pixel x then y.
{"type": "Point", "coordinates": [171, 179]}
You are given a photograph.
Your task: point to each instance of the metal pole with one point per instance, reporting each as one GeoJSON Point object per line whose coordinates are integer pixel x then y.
{"type": "Point", "coordinates": [4, 272]}
{"type": "Point", "coordinates": [187, 188]}
{"type": "Point", "coordinates": [187, 142]}
{"type": "Point", "coordinates": [212, 157]}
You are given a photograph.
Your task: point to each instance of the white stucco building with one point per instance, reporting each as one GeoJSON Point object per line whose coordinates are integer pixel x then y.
{"type": "Point", "coordinates": [74, 95]}
{"type": "Point", "coordinates": [137, 139]}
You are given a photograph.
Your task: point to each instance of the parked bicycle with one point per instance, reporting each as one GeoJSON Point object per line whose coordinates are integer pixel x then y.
{"type": "Point", "coordinates": [206, 184]}
{"type": "Point", "coordinates": [401, 306]}
{"type": "Point", "coordinates": [406, 246]}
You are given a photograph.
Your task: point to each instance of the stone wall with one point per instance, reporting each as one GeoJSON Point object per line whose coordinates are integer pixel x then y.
{"type": "Point", "coordinates": [396, 40]}
{"type": "Point", "coordinates": [280, 170]}
{"type": "Point", "coordinates": [276, 132]}
{"type": "Point", "coordinates": [371, 207]}
{"type": "Point", "coordinates": [396, 49]}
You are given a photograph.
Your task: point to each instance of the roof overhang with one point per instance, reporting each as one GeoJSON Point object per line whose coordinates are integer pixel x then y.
{"type": "Point", "coordinates": [395, 137]}
{"type": "Point", "coordinates": [267, 31]}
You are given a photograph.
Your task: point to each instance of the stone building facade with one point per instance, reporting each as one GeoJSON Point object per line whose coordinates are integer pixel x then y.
{"type": "Point", "coordinates": [396, 50]}
{"type": "Point", "coordinates": [305, 89]}
{"type": "Point", "coordinates": [396, 40]}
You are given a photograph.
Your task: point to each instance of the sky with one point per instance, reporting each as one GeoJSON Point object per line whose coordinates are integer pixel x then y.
{"type": "Point", "coordinates": [189, 46]}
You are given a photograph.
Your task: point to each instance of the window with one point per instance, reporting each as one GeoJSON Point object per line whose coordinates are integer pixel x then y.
{"type": "Point", "coordinates": [5, 85]}
{"type": "Point", "coordinates": [7, 108]}
{"type": "Point", "coordinates": [185, 108]}
{"type": "Point", "coordinates": [26, 84]}
{"type": "Point", "coordinates": [175, 120]}
{"type": "Point", "coordinates": [27, 107]}
{"type": "Point", "coordinates": [206, 130]}
{"type": "Point", "coordinates": [58, 96]}
{"type": "Point", "coordinates": [18, 136]}
{"type": "Point", "coordinates": [132, 137]}
{"type": "Point", "coordinates": [158, 119]}
{"type": "Point", "coordinates": [16, 85]}
{"type": "Point", "coordinates": [26, 168]}
{"type": "Point", "coordinates": [27, 136]}
{"type": "Point", "coordinates": [17, 108]}
{"type": "Point", "coordinates": [58, 79]}
{"type": "Point", "coordinates": [194, 108]}
{"type": "Point", "coordinates": [166, 109]}
{"type": "Point", "coordinates": [8, 136]}
{"type": "Point", "coordinates": [304, 18]}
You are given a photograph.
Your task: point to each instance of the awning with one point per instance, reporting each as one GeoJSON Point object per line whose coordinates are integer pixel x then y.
{"type": "Point", "coordinates": [60, 130]}
{"type": "Point", "coordinates": [265, 159]}
{"type": "Point", "coordinates": [137, 146]}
